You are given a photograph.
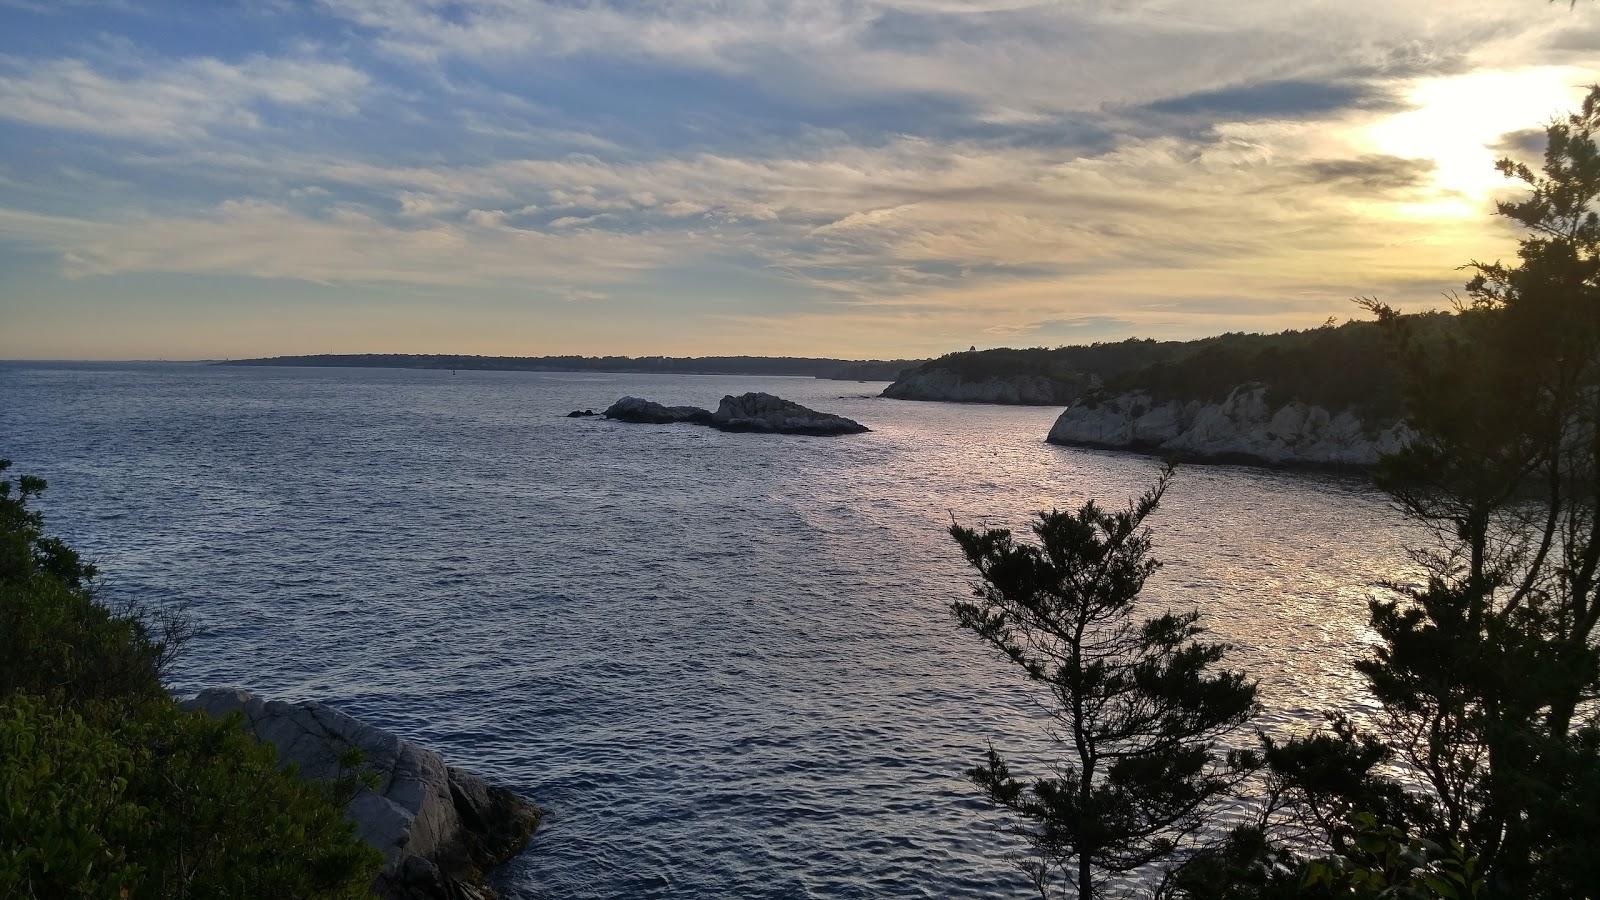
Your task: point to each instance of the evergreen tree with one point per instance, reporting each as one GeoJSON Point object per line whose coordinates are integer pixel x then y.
{"type": "Point", "coordinates": [1136, 702]}
{"type": "Point", "coordinates": [1488, 671]}
{"type": "Point", "coordinates": [1484, 670]}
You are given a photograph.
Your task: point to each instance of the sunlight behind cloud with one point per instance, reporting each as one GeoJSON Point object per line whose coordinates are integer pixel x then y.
{"type": "Point", "coordinates": [1459, 121]}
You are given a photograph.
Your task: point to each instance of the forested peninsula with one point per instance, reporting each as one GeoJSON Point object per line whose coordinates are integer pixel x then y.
{"type": "Point", "coordinates": [1334, 365]}
{"type": "Point", "coordinates": [1327, 396]}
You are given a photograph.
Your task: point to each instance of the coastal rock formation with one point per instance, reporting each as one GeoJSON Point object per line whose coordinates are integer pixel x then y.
{"type": "Point", "coordinates": [635, 409]}
{"type": "Point", "coordinates": [932, 383]}
{"type": "Point", "coordinates": [581, 413]}
{"type": "Point", "coordinates": [438, 827]}
{"type": "Point", "coordinates": [1243, 428]}
{"type": "Point", "coordinates": [746, 412]}
{"type": "Point", "coordinates": [764, 412]}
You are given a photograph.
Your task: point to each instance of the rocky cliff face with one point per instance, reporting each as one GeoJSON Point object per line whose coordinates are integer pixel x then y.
{"type": "Point", "coordinates": [947, 385]}
{"type": "Point", "coordinates": [438, 827]}
{"type": "Point", "coordinates": [1242, 428]}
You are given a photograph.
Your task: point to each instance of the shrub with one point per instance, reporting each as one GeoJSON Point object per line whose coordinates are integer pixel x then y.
{"type": "Point", "coordinates": [107, 788]}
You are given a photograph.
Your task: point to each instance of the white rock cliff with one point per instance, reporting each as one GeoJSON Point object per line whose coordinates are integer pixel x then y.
{"type": "Point", "coordinates": [1242, 428]}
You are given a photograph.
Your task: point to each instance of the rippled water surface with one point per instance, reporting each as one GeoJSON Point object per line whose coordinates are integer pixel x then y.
{"type": "Point", "coordinates": [722, 662]}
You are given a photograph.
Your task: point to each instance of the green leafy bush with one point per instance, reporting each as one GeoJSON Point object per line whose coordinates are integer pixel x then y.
{"type": "Point", "coordinates": [65, 811]}
{"type": "Point", "coordinates": [107, 788]}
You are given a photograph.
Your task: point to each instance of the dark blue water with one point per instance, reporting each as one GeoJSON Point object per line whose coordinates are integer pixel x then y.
{"type": "Point", "coordinates": [722, 662]}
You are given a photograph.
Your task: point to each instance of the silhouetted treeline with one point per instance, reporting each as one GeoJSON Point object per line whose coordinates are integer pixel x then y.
{"type": "Point", "coordinates": [844, 369]}
{"type": "Point", "coordinates": [1337, 367]}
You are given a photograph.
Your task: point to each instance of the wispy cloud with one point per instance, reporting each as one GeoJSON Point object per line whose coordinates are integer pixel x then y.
{"type": "Point", "coordinates": [263, 240]}
{"type": "Point", "coordinates": [171, 101]}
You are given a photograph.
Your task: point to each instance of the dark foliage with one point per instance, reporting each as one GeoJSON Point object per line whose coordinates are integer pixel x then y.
{"type": "Point", "coordinates": [154, 803]}
{"type": "Point", "coordinates": [1482, 777]}
{"type": "Point", "coordinates": [1344, 367]}
{"type": "Point", "coordinates": [57, 639]}
{"type": "Point", "coordinates": [1349, 366]}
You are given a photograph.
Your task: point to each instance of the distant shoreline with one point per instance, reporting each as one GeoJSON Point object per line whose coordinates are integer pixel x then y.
{"type": "Point", "coordinates": [805, 367]}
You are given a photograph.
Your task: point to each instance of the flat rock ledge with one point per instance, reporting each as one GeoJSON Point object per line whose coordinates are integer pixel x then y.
{"type": "Point", "coordinates": [439, 828]}
{"type": "Point", "coordinates": [755, 412]}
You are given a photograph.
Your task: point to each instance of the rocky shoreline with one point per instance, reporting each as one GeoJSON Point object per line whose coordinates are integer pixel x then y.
{"type": "Point", "coordinates": [1243, 428]}
{"type": "Point", "coordinates": [439, 828]}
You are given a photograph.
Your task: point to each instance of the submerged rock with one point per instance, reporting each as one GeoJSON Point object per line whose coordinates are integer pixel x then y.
{"type": "Point", "coordinates": [1245, 427]}
{"type": "Point", "coordinates": [439, 828]}
{"type": "Point", "coordinates": [746, 412]}
{"type": "Point", "coordinates": [580, 413]}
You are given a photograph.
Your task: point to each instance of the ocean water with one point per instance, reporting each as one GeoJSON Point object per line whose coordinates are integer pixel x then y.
{"type": "Point", "coordinates": [723, 663]}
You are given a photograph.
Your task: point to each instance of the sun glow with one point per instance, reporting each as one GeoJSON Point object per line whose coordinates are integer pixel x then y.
{"type": "Point", "coordinates": [1460, 122]}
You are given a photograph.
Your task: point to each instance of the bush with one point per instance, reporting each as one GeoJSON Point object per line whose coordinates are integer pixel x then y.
{"type": "Point", "coordinates": [65, 814]}
{"type": "Point", "coordinates": [162, 804]}
{"type": "Point", "coordinates": [107, 788]}
{"type": "Point", "coordinates": [55, 638]}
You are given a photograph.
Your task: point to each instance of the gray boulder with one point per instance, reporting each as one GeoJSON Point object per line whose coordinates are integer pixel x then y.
{"type": "Point", "coordinates": [439, 828]}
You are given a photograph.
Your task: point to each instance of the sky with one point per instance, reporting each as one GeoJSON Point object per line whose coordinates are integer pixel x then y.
{"type": "Point", "coordinates": [850, 178]}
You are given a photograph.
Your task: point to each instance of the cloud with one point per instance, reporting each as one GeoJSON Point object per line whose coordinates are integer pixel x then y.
{"type": "Point", "coordinates": [264, 240]}
{"type": "Point", "coordinates": [1291, 98]}
{"type": "Point", "coordinates": [888, 225]}
{"type": "Point", "coordinates": [911, 171]}
{"type": "Point", "coordinates": [172, 101]}
{"type": "Point", "coordinates": [1372, 173]}
{"type": "Point", "coordinates": [1072, 329]}
{"type": "Point", "coordinates": [1526, 145]}
{"type": "Point", "coordinates": [1011, 62]}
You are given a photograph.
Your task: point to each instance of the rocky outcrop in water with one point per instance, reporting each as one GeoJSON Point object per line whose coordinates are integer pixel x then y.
{"type": "Point", "coordinates": [439, 828]}
{"type": "Point", "coordinates": [944, 384]}
{"type": "Point", "coordinates": [764, 412]}
{"type": "Point", "coordinates": [747, 412]}
{"type": "Point", "coordinates": [635, 409]}
{"type": "Point", "coordinates": [1243, 428]}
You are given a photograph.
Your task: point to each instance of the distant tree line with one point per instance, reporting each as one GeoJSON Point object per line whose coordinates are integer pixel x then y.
{"type": "Point", "coordinates": [1480, 775]}
{"type": "Point", "coordinates": [812, 367]}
